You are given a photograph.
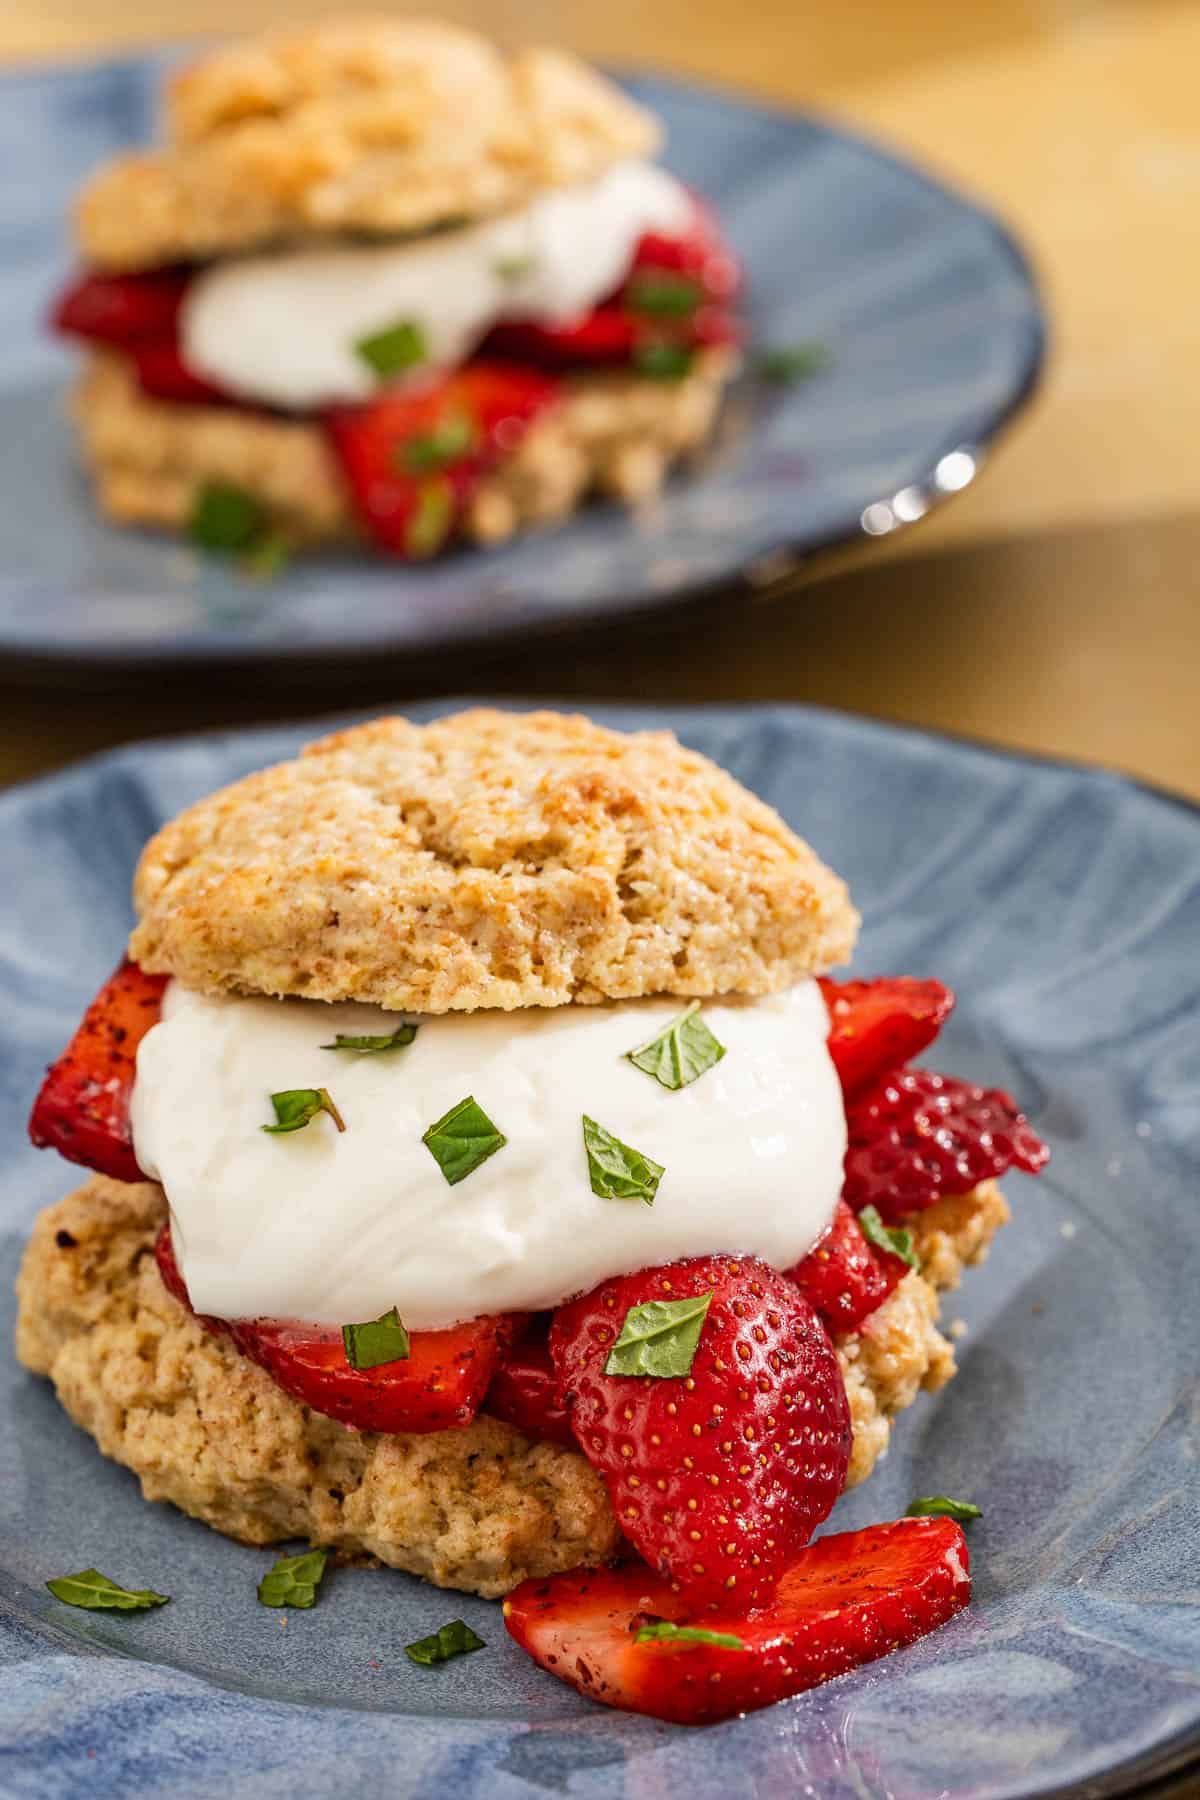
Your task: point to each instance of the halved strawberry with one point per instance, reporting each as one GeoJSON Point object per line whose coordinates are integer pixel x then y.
{"type": "Point", "coordinates": [525, 1391]}
{"type": "Point", "coordinates": [843, 1276]}
{"type": "Point", "coordinates": [413, 455]}
{"type": "Point", "coordinates": [875, 1026]}
{"type": "Point", "coordinates": [844, 1601]}
{"type": "Point", "coordinates": [162, 372]}
{"type": "Point", "coordinates": [82, 1109]}
{"type": "Point", "coordinates": [440, 1384]}
{"type": "Point", "coordinates": [719, 1475]}
{"type": "Point", "coordinates": [915, 1136]}
{"type": "Point", "coordinates": [122, 309]}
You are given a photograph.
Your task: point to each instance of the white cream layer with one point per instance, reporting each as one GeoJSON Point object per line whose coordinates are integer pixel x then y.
{"type": "Point", "coordinates": [339, 1227]}
{"type": "Point", "coordinates": [281, 328]}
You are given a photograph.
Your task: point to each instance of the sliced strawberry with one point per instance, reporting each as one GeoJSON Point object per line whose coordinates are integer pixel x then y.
{"type": "Point", "coordinates": [718, 1476]}
{"type": "Point", "coordinates": [413, 455]}
{"type": "Point", "coordinates": [875, 1026]}
{"type": "Point", "coordinates": [439, 1384]}
{"type": "Point", "coordinates": [701, 253]}
{"type": "Point", "coordinates": [915, 1136]}
{"type": "Point", "coordinates": [610, 334]}
{"type": "Point", "coordinates": [843, 1277]}
{"type": "Point", "coordinates": [162, 372]}
{"type": "Point", "coordinates": [844, 1601]}
{"type": "Point", "coordinates": [525, 1391]}
{"type": "Point", "coordinates": [122, 309]}
{"type": "Point", "coordinates": [82, 1110]}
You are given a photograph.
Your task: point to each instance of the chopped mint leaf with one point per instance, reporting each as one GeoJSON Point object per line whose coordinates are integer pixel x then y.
{"type": "Point", "coordinates": [401, 346]}
{"type": "Point", "coordinates": [377, 1342]}
{"type": "Point", "coordinates": [432, 518]}
{"type": "Point", "coordinates": [663, 362]}
{"type": "Point", "coordinates": [937, 1506]}
{"type": "Point", "coordinates": [797, 363]}
{"type": "Point", "coordinates": [662, 1631]}
{"type": "Point", "coordinates": [225, 518]}
{"type": "Point", "coordinates": [662, 294]}
{"type": "Point", "coordinates": [889, 1238]}
{"type": "Point", "coordinates": [267, 557]}
{"type": "Point", "coordinates": [449, 1641]}
{"type": "Point", "coordinates": [297, 1107]}
{"type": "Point", "coordinates": [294, 1580]}
{"type": "Point", "coordinates": [616, 1171]}
{"type": "Point", "coordinates": [96, 1593]}
{"type": "Point", "coordinates": [447, 443]}
{"type": "Point", "coordinates": [462, 1139]}
{"type": "Point", "coordinates": [394, 1040]}
{"type": "Point", "coordinates": [659, 1338]}
{"type": "Point", "coordinates": [682, 1051]}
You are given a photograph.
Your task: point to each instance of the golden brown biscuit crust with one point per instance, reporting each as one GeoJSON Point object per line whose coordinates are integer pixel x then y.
{"type": "Point", "coordinates": [479, 1509]}
{"type": "Point", "coordinates": [371, 125]}
{"type": "Point", "coordinates": [488, 859]}
{"type": "Point", "coordinates": [611, 433]}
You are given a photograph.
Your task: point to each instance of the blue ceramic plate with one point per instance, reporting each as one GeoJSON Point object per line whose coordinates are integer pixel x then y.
{"type": "Point", "coordinates": [924, 302]}
{"type": "Point", "coordinates": [1064, 906]}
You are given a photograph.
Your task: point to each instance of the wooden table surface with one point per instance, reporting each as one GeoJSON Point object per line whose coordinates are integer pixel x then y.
{"type": "Point", "coordinates": [1055, 605]}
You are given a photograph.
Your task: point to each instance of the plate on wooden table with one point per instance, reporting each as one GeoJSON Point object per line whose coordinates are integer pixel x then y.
{"type": "Point", "coordinates": [1064, 905]}
{"type": "Point", "coordinates": [923, 302]}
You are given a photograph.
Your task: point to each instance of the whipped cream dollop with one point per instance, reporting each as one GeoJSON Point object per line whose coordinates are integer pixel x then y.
{"type": "Point", "coordinates": [339, 1226]}
{"type": "Point", "coordinates": [281, 328]}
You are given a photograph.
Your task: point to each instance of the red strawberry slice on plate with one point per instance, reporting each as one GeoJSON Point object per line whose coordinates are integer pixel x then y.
{"type": "Point", "coordinates": [82, 1109]}
{"type": "Point", "coordinates": [875, 1026]}
{"type": "Point", "coordinates": [719, 1473]}
{"type": "Point", "coordinates": [413, 455]}
{"type": "Point", "coordinates": [843, 1276]}
{"type": "Point", "coordinates": [440, 1384]}
{"type": "Point", "coordinates": [844, 1601]}
{"type": "Point", "coordinates": [525, 1391]}
{"type": "Point", "coordinates": [915, 1136]}
{"type": "Point", "coordinates": [122, 309]}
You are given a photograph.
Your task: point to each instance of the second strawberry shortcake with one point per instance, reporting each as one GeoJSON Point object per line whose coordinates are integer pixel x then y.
{"type": "Point", "coordinates": [490, 1180]}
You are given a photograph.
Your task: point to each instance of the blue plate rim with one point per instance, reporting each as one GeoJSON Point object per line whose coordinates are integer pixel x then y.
{"type": "Point", "coordinates": [786, 560]}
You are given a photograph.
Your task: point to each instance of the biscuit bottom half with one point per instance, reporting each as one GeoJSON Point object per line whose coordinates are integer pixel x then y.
{"type": "Point", "coordinates": [479, 1509]}
{"type": "Point", "coordinates": [611, 433]}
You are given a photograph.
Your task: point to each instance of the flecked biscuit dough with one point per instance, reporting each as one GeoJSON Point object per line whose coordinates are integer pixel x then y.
{"type": "Point", "coordinates": [367, 125]}
{"type": "Point", "coordinates": [487, 859]}
{"type": "Point", "coordinates": [479, 1509]}
{"type": "Point", "coordinates": [611, 433]}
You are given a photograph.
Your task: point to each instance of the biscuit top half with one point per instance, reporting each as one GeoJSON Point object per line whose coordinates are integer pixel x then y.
{"type": "Point", "coordinates": [374, 126]}
{"type": "Point", "coordinates": [488, 859]}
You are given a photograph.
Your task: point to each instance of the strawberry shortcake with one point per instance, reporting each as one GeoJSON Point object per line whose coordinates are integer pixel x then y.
{"type": "Point", "coordinates": [384, 283]}
{"type": "Point", "coordinates": [490, 1179]}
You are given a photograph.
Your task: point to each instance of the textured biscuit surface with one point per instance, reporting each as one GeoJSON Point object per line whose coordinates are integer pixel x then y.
{"type": "Point", "coordinates": [479, 1509]}
{"type": "Point", "coordinates": [201, 1426]}
{"type": "Point", "coordinates": [488, 859]}
{"type": "Point", "coordinates": [375, 125]}
{"type": "Point", "coordinates": [612, 433]}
